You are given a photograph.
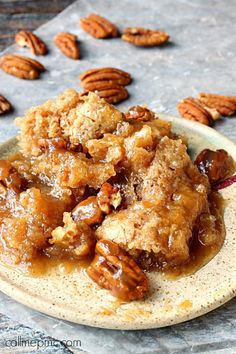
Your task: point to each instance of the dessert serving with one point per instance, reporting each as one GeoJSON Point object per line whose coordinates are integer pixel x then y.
{"type": "Point", "coordinates": [115, 193]}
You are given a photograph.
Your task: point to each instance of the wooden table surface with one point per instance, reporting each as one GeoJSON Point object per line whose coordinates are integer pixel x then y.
{"type": "Point", "coordinates": [18, 15]}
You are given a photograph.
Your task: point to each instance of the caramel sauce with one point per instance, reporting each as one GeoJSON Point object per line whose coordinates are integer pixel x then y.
{"type": "Point", "coordinates": [200, 253]}
{"type": "Point", "coordinates": [41, 264]}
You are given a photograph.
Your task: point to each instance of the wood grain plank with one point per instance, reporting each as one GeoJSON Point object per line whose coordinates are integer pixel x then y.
{"type": "Point", "coordinates": [16, 15]}
{"type": "Point", "coordinates": [24, 6]}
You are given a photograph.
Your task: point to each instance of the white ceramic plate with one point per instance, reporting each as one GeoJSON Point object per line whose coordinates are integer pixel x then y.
{"type": "Point", "coordinates": [74, 297]}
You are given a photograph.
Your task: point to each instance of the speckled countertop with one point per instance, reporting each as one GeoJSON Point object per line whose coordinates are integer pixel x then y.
{"type": "Point", "coordinates": [200, 57]}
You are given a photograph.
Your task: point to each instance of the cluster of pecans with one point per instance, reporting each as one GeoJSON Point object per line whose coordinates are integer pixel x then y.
{"type": "Point", "coordinates": [101, 28]}
{"type": "Point", "coordinates": [207, 108]}
{"type": "Point", "coordinates": [111, 88]}
{"type": "Point", "coordinates": [109, 83]}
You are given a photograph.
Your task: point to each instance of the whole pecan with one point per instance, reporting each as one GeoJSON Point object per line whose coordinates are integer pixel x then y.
{"type": "Point", "coordinates": [20, 66]}
{"type": "Point", "coordinates": [30, 40]}
{"type": "Point", "coordinates": [139, 114]}
{"type": "Point", "coordinates": [215, 164]}
{"type": "Point", "coordinates": [112, 93]}
{"type": "Point", "coordinates": [104, 74]}
{"type": "Point", "coordinates": [5, 105]}
{"type": "Point", "coordinates": [98, 27]}
{"type": "Point", "coordinates": [225, 105]}
{"type": "Point", "coordinates": [89, 211]}
{"type": "Point", "coordinates": [193, 109]}
{"type": "Point", "coordinates": [144, 37]}
{"type": "Point", "coordinates": [113, 269]}
{"type": "Point", "coordinates": [68, 44]}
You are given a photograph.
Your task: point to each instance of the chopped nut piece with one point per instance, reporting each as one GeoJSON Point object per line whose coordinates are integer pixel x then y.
{"type": "Point", "coordinates": [20, 66]}
{"type": "Point", "coordinates": [104, 75]}
{"type": "Point", "coordinates": [144, 37]}
{"type": "Point", "coordinates": [67, 43]}
{"type": "Point", "coordinates": [108, 197]}
{"type": "Point", "coordinates": [225, 105]}
{"type": "Point", "coordinates": [215, 164]}
{"type": "Point", "coordinates": [27, 228]}
{"type": "Point", "coordinates": [74, 239]}
{"type": "Point", "coordinates": [98, 27]}
{"type": "Point", "coordinates": [89, 211]}
{"type": "Point", "coordinates": [5, 105]}
{"type": "Point", "coordinates": [139, 114]}
{"type": "Point", "coordinates": [30, 40]}
{"type": "Point", "coordinates": [213, 112]}
{"type": "Point", "coordinates": [193, 109]}
{"type": "Point", "coordinates": [113, 269]}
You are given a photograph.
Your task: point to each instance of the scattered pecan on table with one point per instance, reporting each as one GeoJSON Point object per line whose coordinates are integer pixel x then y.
{"type": "Point", "coordinates": [225, 105]}
{"type": "Point", "coordinates": [98, 27]}
{"type": "Point", "coordinates": [111, 93]}
{"type": "Point", "coordinates": [30, 40]}
{"type": "Point", "coordinates": [20, 66]}
{"type": "Point", "coordinates": [115, 270]}
{"type": "Point", "coordinates": [144, 37]}
{"type": "Point", "coordinates": [5, 105]}
{"type": "Point", "coordinates": [68, 44]}
{"type": "Point", "coordinates": [193, 109]}
{"type": "Point", "coordinates": [107, 74]}
{"type": "Point", "coordinates": [107, 82]}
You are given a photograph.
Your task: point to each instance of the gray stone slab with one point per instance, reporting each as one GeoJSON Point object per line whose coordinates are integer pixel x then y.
{"type": "Point", "coordinates": [200, 57]}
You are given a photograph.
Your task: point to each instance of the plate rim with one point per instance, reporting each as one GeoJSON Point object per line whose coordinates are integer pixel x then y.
{"type": "Point", "coordinates": [37, 303]}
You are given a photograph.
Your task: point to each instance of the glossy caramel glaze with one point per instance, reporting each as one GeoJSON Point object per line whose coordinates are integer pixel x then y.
{"type": "Point", "coordinates": [79, 179]}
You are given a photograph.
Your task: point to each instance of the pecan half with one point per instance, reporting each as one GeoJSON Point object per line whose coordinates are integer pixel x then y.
{"type": "Point", "coordinates": [98, 27]}
{"type": "Point", "coordinates": [112, 93]}
{"type": "Point", "coordinates": [89, 211]}
{"type": "Point", "coordinates": [20, 66]}
{"type": "Point", "coordinates": [225, 105]}
{"type": "Point", "coordinates": [139, 114]}
{"type": "Point", "coordinates": [193, 109]}
{"type": "Point", "coordinates": [215, 164]}
{"type": "Point", "coordinates": [113, 269]}
{"type": "Point", "coordinates": [68, 44]}
{"type": "Point", "coordinates": [30, 40]}
{"type": "Point", "coordinates": [144, 37]}
{"type": "Point", "coordinates": [5, 105]}
{"type": "Point", "coordinates": [104, 74]}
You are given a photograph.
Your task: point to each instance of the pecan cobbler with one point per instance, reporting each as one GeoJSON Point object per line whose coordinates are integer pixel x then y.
{"type": "Point", "coordinates": [118, 189]}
